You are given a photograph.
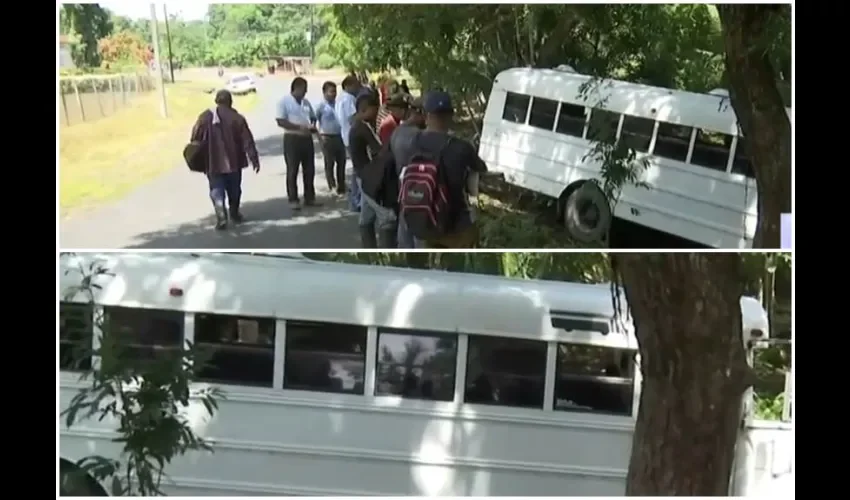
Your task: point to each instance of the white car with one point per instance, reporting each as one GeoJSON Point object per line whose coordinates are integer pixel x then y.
{"type": "Point", "coordinates": [241, 84]}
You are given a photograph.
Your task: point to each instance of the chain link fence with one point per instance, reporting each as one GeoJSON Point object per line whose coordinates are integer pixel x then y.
{"type": "Point", "coordinates": [90, 97]}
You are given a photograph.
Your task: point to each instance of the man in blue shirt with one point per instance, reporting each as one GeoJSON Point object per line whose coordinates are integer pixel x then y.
{"type": "Point", "coordinates": [345, 110]}
{"type": "Point", "coordinates": [297, 119]}
{"type": "Point", "coordinates": [330, 137]}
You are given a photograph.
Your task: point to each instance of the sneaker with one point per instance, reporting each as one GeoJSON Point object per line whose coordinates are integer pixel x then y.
{"type": "Point", "coordinates": [236, 218]}
{"type": "Point", "coordinates": [312, 203]}
{"type": "Point", "coordinates": [295, 205]}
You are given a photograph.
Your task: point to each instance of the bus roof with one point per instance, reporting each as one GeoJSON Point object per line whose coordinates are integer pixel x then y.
{"type": "Point", "coordinates": [300, 289]}
{"type": "Point", "coordinates": [707, 111]}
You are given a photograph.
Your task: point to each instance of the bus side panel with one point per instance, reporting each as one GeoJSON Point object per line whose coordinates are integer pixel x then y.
{"type": "Point", "coordinates": [686, 200]}
{"type": "Point", "coordinates": [695, 203]}
{"type": "Point", "coordinates": [309, 442]}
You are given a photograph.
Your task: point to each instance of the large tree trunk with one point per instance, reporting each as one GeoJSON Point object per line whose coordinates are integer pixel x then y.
{"type": "Point", "coordinates": [686, 309]}
{"type": "Point", "coordinates": [760, 111]}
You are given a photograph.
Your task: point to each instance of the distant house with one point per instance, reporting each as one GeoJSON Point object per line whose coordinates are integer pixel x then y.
{"type": "Point", "coordinates": [65, 59]}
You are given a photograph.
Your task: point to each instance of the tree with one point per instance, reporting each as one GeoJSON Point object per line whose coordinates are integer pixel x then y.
{"type": "Point", "coordinates": [124, 48]}
{"type": "Point", "coordinates": [146, 395]}
{"type": "Point", "coordinates": [748, 32]}
{"type": "Point", "coordinates": [462, 48]}
{"type": "Point", "coordinates": [688, 324]}
{"type": "Point", "coordinates": [90, 23]}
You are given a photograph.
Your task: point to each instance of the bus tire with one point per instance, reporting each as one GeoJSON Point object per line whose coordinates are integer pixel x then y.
{"type": "Point", "coordinates": [587, 213]}
{"type": "Point", "coordinates": [75, 482]}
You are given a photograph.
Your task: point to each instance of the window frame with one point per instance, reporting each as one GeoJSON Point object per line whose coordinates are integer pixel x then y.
{"type": "Point", "coordinates": [133, 348]}
{"type": "Point", "coordinates": [287, 359]}
{"type": "Point", "coordinates": [455, 337]}
{"type": "Point", "coordinates": [650, 139]}
{"type": "Point", "coordinates": [509, 94]}
{"type": "Point", "coordinates": [586, 114]}
{"type": "Point", "coordinates": [87, 311]}
{"type": "Point", "coordinates": [617, 126]}
{"type": "Point", "coordinates": [555, 114]}
{"type": "Point", "coordinates": [232, 346]}
{"type": "Point", "coordinates": [527, 341]}
{"type": "Point", "coordinates": [657, 130]}
{"type": "Point", "coordinates": [697, 133]}
{"type": "Point", "coordinates": [629, 381]}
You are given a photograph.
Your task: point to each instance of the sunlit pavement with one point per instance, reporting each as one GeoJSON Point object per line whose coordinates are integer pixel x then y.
{"type": "Point", "coordinates": [174, 210]}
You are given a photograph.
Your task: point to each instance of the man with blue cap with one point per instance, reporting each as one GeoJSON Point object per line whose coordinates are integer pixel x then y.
{"type": "Point", "coordinates": [457, 156]}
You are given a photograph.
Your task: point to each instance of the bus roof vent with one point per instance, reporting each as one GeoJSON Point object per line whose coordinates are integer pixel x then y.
{"type": "Point", "coordinates": [566, 68]}
{"type": "Point", "coordinates": [576, 321]}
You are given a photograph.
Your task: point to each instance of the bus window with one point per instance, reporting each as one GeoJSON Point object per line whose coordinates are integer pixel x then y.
{"type": "Point", "coordinates": [416, 366]}
{"type": "Point", "coordinates": [571, 120]}
{"type": "Point", "coordinates": [602, 126]}
{"type": "Point", "coordinates": [637, 132]}
{"type": "Point", "coordinates": [146, 334]}
{"type": "Point", "coordinates": [672, 141]}
{"type": "Point", "coordinates": [324, 357]}
{"type": "Point", "coordinates": [505, 372]}
{"type": "Point", "coordinates": [242, 349]}
{"type": "Point", "coordinates": [543, 113]}
{"type": "Point", "coordinates": [516, 107]}
{"type": "Point", "coordinates": [75, 336]}
{"type": "Point", "coordinates": [594, 379]}
{"type": "Point", "coordinates": [741, 164]}
{"type": "Point", "coordinates": [711, 150]}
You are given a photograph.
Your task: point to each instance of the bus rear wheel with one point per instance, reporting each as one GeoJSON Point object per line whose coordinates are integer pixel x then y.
{"type": "Point", "coordinates": [587, 213]}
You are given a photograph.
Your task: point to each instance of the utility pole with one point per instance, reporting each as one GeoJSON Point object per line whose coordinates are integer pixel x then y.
{"type": "Point", "coordinates": [312, 35]}
{"type": "Point", "coordinates": [168, 38]}
{"type": "Point", "coordinates": [158, 63]}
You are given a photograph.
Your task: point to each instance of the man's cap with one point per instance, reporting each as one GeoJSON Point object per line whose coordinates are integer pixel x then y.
{"type": "Point", "coordinates": [437, 101]}
{"type": "Point", "coordinates": [223, 97]}
{"type": "Point", "coordinates": [397, 101]}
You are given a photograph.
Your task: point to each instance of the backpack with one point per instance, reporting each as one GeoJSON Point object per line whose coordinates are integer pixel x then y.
{"type": "Point", "coordinates": [423, 196]}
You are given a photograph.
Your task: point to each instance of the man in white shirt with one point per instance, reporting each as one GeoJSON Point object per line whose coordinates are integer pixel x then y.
{"type": "Point", "coordinates": [345, 109]}
{"type": "Point", "coordinates": [296, 117]}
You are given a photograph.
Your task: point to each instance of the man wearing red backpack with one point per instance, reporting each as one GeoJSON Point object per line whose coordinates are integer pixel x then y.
{"type": "Point", "coordinates": [434, 167]}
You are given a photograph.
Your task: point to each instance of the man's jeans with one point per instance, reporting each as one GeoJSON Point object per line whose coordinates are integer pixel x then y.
{"type": "Point", "coordinates": [373, 214]}
{"type": "Point", "coordinates": [226, 186]}
{"type": "Point", "coordinates": [354, 193]}
{"type": "Point", "coordinates": [405, 239]}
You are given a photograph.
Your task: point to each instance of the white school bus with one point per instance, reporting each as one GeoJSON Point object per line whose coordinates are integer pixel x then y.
{"type": "Point", "coordinates": [359, 380]}
{"type": "Point", "coordinates": [701, 187]}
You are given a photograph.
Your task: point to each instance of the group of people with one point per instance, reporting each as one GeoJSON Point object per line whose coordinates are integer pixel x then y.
{"type": "Point", "coordinates": [412, 178]}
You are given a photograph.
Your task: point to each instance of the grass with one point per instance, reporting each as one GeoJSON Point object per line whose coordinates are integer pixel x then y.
{"type": "Point", "coordinates": [105, 159]}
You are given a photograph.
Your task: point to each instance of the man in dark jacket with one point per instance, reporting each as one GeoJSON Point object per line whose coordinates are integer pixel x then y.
{"type": "Point", "coordinates": [230, 144]}
{"type": "Point", "coordinates": [365, 147]}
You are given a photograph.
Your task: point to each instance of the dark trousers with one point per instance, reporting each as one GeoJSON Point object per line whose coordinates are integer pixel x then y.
{"type": "Point", "coordinates": [226, 186]}
{"type": "Point", "coordinates": [333, 151]}
{"type": "Point", "coordinates": [298, 153]}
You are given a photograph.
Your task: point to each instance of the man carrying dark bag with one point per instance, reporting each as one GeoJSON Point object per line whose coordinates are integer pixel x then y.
{"type": "Point", "coordinates": [220, 146]}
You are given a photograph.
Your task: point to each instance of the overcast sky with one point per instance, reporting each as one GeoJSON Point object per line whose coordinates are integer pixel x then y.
{"type": "Point", "coordinates": [187, 10]}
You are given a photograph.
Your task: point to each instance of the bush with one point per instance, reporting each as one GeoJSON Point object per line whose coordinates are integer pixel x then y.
{"type": "Point", "coordinates": [325, 61]}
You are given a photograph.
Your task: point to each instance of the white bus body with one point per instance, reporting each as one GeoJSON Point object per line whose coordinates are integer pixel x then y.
{"type": "Point", "coordinates": [701, 185]}
{"type": "Point", "coordinates": [533, 345]}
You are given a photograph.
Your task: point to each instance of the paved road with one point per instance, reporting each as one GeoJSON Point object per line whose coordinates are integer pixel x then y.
{"type": "Point", "coordinates": [174, 210]}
